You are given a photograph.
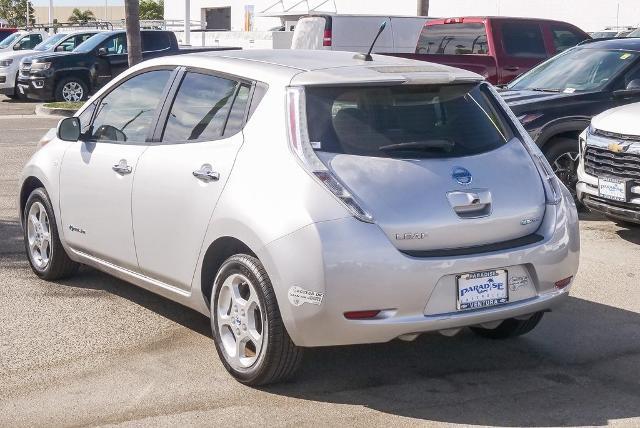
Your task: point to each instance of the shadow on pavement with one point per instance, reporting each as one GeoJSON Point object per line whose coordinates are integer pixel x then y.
{"type": "Point", "coordinates": [575, 369]}
{"type": "Point", "coordinates": [579, 367]}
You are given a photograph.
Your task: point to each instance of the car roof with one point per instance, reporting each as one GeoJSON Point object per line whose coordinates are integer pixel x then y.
{"type": "Point", "coordinates": [626, 43]}
{"type": "Point", "coordinates": [493, 18]}
{"type": "Point", "coordinates": [318, 66]}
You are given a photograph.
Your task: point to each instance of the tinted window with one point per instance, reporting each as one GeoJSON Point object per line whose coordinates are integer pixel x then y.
{"type": "Point", "coordinates": [453, 39]}
{"type": "Point", "coordinates": [238, 111]}
{"type": "Point", "coordinates": [126, 113]}
{"type": "Point", "coordinates": [523, 40]}
{"type": "Point", "coordinates": [406, 121]}
{"type": "Point", "coordinates": [155, 41]}
{"type": "Point", "coordinates": [565, 38]}
{"type": "Point", "coordinates": [200, 109]}
{"type": "Point", "coordinates": [116, 45]}
{"type": "Point", "coordinates": [578, 69]}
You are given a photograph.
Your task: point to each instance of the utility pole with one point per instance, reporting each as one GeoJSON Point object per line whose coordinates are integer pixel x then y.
{"type": "Point", "coordinates": [132, 23]}
{"type": "Point", "coordinates": [423, 8]}
{"type": "Point", "coordinates": [106, 10]}
{"type": "Point", "coordinates": [51, 13]}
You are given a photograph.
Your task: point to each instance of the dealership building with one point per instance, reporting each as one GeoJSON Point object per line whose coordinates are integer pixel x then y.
{"type": "Point", "coordinates": [238, 15]}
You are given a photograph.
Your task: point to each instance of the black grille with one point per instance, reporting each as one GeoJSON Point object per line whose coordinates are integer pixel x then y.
{"type": "Point", "coordinates": [617, 204]}
{"type": "Point", "coordinates": [602, 162]}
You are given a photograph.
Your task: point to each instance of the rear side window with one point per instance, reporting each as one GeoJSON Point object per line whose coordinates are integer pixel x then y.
{"type": "Point", "coordinates": [406, 121]}
{"type": "Point", "coordinates": [523, 40]}
{"type": "Point", "coordinates": [201, 108]}
{"type": "Point", "coordinates": [565, 38]}
{"type": "Point", "coordinates": [453, 39]}
{"type": "Point", "coordinates": [155, 41]}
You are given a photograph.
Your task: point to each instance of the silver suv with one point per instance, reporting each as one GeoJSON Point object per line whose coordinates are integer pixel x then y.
{"type": "Point", "coordinates": [304, 199]}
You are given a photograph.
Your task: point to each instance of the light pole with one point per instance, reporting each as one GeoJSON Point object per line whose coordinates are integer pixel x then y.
{"type": "Point", "coordinates": [187, 22]}
{"type": "Point", "coordinates": [106, 10]}
{"type": "Point", "coordinates": [50, 11]}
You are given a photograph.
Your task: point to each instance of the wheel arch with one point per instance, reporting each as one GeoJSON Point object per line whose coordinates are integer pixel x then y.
{"type": "Point", "coordinates": [217, 252]}
{"type": "Point", "coordinates": [77, 73]}
{"type": "Point", "coordinates": [564, 128]}
{"type": "Point", "coordinates": [28, 185]}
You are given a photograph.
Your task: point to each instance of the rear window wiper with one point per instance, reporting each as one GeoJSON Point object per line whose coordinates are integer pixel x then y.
{"type": "Point", "coordinates": [429, 145]}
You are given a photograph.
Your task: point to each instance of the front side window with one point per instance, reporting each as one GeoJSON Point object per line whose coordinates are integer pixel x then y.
{"type": "Point", "coordinates": [200, 109]}
{"type": "Point", "coordinates": [415, 121]}
{"type": "Point", "coordinates": [453, 39]}
{"type": "Point", "coordinates": [116, 45]}
{"type": "Point", "coordinates": [522, 40]}
{"type": "Point", "coordinates": [126, 113]}
{"type": "Point", "coordinates": [577, 70]}
{"type": "Point", "coordinates": [50, 42]}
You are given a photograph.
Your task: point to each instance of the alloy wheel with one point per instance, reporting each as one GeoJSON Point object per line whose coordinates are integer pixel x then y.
{"type": "Point", "coordinates": [565, 167]}
{"type": "Point", "coordinates": [240, 321]}
{"type": "Point", "coordinates": [39, 235]}
{"type": "Point", "coordinates": [72, 91]}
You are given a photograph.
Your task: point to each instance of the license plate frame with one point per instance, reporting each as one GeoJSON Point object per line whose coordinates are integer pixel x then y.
{"type": "Point", "coordinates": [616, 189]}
{"type": "Point", "coordinates": [480, 278]}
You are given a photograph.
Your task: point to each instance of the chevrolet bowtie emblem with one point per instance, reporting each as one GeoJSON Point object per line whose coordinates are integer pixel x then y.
{"type": "Point", "coordinates": [616, 148]}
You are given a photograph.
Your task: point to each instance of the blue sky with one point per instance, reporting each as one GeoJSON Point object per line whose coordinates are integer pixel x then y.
{"type": "Point", "coordinates": [76, 2]}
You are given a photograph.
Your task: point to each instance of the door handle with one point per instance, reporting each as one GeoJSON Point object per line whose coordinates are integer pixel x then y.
{"type": "Point", "coordinates": [122, 168]}
{"type": "Point", "coordinates": [512, 68]}
{"type": "Point", "coordinates": [206, 173]}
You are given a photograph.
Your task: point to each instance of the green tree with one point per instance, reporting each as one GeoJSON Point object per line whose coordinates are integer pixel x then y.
{"type": "Point", "coordinates": [79, 16]}
{"type": "Point", "coordinates": [14, 11]}
{"type": "Point", "coordinates": [151, 9]}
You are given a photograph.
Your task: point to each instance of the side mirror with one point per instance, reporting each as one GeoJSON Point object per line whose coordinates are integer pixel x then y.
{"type": "Point", "coordinates": [17, 46]}
{"type": "Point", "coordinates": [634, 84]}
{"type": "Point", "coordinates": [69, 129]}
{"type": "Point", "coordinates": [102, 52]}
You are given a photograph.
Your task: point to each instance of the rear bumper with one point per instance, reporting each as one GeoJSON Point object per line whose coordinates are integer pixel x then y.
{"type": "Point", "coordinates": [357, 268]}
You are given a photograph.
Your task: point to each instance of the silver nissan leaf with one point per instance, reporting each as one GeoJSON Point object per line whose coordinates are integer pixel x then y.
{"type": "Point", "coordinates": [304, 199]}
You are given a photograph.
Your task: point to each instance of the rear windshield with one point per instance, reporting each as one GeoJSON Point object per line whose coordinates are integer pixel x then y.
{"type": "Point", "coordinates": [406, 121]}
{"type": "Point", "coordinates": [453, 39]}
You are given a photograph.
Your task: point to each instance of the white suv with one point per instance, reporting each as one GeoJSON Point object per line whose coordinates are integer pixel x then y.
{"type": "Point", "coordinates": [609, 168]}
{"type": "Point", "coordinates": [306, 198]}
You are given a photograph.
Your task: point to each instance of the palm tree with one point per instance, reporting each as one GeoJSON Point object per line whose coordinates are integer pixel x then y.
{"type": "Point", "coordinates": [79, 16]}
{"type": "Point", "coordinates": [134, 44]}
{"type": "Point", "coordinates": [423, 8]}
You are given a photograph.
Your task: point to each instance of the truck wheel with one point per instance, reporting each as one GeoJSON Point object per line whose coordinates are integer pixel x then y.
{"type": "Point", "coordinates": [510, 328]}
{"type": "Point", "coordinates": [563, 155]}
{"type": "Point", "coordinates": [71, 89]}
{"type": "Point", "coordinates": [248, 332]}
{"type": "Point", "coordinates": [46, 254]}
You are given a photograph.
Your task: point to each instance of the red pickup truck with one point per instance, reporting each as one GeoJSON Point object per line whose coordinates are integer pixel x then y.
{"type": "Point", "coordinates": [499, 48]}
{"type": "Point", "coordinates": [6, 32]}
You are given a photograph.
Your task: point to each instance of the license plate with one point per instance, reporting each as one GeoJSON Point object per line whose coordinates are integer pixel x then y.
{"type": "Point", "coordinates": [482, 289]}
{"type": "Point", "coordinates": [612, 188]}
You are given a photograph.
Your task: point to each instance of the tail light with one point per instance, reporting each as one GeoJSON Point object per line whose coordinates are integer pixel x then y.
{"type": "Point", "coordinates": [300, 145]}
{"type": "Point", "coordinates": [563, 283]}
{"type": "Point", "coordinates": [326, 40]}
{"type": "Point", "coordinates": [550, 182]}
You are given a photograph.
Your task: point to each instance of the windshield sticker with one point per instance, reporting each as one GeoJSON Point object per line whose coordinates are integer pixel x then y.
{"type": "Point", "coordinates": [569, 90]}
{"type": "Point", "coordinates": [625, 56]}
{"type": "Point", "coordinates": [316, 145]}
{"type": "Point", "coordinates": [299, 296]}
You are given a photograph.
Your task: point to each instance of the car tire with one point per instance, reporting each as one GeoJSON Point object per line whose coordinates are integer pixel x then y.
{"type": "Point", "coordinates": [71, 89]}
{"type": "Point", "coordinates": [47, 256]}
{"type": "Point", "coordinates": [563, 155]}
{"type": "Point", "coordinates": [250, 337]}
{"type": "Point", "coordinates": [510, 327]}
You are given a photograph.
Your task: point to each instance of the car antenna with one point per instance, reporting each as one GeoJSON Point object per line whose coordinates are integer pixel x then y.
{"type": "Point", "coordinates": [367, 56]}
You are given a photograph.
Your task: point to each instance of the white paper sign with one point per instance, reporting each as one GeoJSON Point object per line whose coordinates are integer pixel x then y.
{"type": "Point", "coordinates": [299, 296]}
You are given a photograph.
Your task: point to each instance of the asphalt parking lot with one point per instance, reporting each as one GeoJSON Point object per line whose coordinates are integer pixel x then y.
{"type": "Point", "coordinates": [94, 350]}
